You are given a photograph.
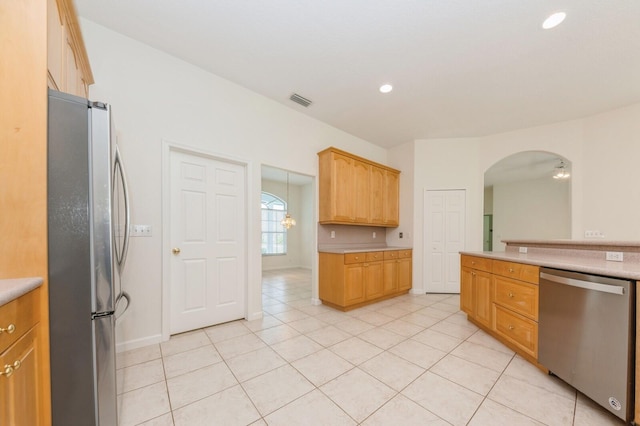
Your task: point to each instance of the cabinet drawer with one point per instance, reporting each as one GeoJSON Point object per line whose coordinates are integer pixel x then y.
{"type": "Point", "coordinates": [22, 314]}
{"type": "Point", "coordinates": [403, 254]}
{"type": "Point", "coordinates": [374, 256]}
{"type": "Point", "coordinates": [518, 271]}
{"type": "Point", "coordinates": [517, 329]}
{"type": "Point", "coordinates": [350, 258]}
{"type": "Point", "coordinates": [518, 296]}
{"type": "Point", "coordinates": [391, 254]}
{"type": "Point", "coordinates": [473, 262]}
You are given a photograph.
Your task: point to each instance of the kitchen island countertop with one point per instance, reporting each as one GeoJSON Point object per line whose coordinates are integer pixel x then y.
{"type": "Point", "coordinates": [11, 289]}
{"type": "Point", "coordinates": [571, 260]}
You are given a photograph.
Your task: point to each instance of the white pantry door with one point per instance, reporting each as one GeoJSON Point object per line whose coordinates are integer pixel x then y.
{"type": "Point", "coordinates": [208, 239]}
{"type": "Point", "coordinates": [444, 221]}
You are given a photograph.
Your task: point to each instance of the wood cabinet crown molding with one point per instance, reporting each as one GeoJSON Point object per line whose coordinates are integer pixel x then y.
{"type": "Point", "coordinates": [356, 157]}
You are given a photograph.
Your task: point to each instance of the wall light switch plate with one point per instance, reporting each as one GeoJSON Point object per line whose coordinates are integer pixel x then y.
{"type": "Point", "coordinates": [333, 234]}
{"type": "Point", "coordinates": [522, 249]}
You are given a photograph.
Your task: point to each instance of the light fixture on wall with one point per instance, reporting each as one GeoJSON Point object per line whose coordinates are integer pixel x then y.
{"type": "Point", "coordinates": [561, 171]}
{"type": "Point", "coordinates": [288, 221]}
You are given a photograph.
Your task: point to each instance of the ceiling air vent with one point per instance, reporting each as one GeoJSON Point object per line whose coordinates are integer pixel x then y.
{"type": "Point", "coordinates": [300, 100]}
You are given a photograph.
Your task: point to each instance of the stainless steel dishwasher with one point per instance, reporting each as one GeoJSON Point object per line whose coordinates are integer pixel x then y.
{"type": "Point", "coordinates": [586, 335]}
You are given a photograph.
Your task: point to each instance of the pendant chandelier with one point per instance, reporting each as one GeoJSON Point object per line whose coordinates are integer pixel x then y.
{"type": "Point", "coordinates": [288, 221]}
{"type": "Point", "coordinates": [561, 171]}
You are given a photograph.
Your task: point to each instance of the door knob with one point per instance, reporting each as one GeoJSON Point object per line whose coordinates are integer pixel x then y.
{"type": "Point", "coordinates": [176, 250]}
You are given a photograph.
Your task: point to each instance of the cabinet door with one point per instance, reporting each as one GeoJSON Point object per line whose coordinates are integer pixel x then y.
{"type": "Point", "coordinates": [361, 191]}
{"type": "Point", "coordinates": [404, 274]}
{"type": "Point", "coordinates": [391, 198]}
{"type": "Point", "coordinates": [390, 280]}
{"type": "Point", "coordinates": [54, 45]}
{"type": "Point", "coordinates": [483, 309]}
{"type": "Point", "coordinates": [377, 182]}
{"type": "Point", "coordinates": [353, 284]}
{"type": "Point", "coordinates": [374, 280]}
{"type": "Point", "coordinates": [466, 291]}
{"type": "Point", "coordinates": [19, 392]}
{"type": "Point", "coordinates": [341, 188]}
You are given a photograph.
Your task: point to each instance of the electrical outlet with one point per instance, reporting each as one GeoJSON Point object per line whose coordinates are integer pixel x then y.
{"type": "Point", "coordinates": [616, 256]}
{"type": "Point", "coordinates": [522, 249]}
{"type": "Point", "coordinates": [333, 234]}
{"type": "Point", "coordinates": [141, 231]}
{"type": "Point", "coordinates": [400, 235]}
{"type": "Point", "coordinates": [374, 235]}
{"type": "Point", "coordinates": [593, 234]}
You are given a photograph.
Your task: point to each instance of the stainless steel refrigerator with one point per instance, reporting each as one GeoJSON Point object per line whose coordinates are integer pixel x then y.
{"type": "Point", "coordinates": [88, 229]}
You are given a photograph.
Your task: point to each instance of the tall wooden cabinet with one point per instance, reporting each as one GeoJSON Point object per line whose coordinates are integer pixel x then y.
{"type": "Point", "coordinates": [356, 191]}
{"type": "Point", "coordinates": [27, 68]}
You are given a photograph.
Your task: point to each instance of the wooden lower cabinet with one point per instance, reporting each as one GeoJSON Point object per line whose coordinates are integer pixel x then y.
{"type": "Point", "coordinates": [21, 380]}
{"type": "Point", "coordinates": [351, 280]}
{"type": "Point", "coordinates": [502, 298]}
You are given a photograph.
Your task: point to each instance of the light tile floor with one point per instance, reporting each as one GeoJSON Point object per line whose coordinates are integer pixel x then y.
{"type": "Point", "coordinates": [411, 360]}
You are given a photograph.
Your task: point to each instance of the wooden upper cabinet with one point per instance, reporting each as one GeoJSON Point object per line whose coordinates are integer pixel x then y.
{"type": "Point", "coordinates": [362, 191]}
{"type": "Point", "coordinates": [377, 193]}
{"type": "Point", "coordinates": [391, 199]}
{"type": "Point", "coordinates": [67, 60]}
{"type": "Point", "coordinates": [357, 191]}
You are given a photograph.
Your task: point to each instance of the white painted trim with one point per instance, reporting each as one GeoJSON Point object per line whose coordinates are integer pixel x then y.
{"type": "Point", "coordinates": [167, 148]}
{"type": "Point", "coordinates": [139, 343]}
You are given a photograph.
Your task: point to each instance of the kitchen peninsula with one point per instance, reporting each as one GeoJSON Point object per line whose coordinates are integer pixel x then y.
{"type": "Point", "coordinates": [507, 293]}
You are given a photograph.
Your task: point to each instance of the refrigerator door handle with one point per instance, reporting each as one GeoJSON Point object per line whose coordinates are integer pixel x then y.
{"type": "Point", "coordinates": [123, 295]}
{"type": "Point", "coordinates": [119, 169]}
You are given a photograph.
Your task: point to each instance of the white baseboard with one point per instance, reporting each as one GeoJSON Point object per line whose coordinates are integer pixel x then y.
{"type": "Point", "coordinates": [417, 291]}
{"type": "Point", "coordinates": [138, 343]}
{"type": "Point", "coordinates": [316, 302]}
{"type": "Point", "coordinates": [254, 316]}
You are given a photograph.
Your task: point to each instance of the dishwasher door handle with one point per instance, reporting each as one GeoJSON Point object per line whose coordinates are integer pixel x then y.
{"type": "Point", "coordinates": [588, 285]}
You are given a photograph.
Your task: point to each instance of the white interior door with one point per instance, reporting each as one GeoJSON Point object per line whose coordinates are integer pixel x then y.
{"type": "Point", "coordinates": [208, 239]}
{"type": "Point", "coordinates": [444, 221]}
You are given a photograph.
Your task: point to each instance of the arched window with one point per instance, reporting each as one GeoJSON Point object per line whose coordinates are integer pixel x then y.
{"type": "Point", "coordinates": [274, 236]}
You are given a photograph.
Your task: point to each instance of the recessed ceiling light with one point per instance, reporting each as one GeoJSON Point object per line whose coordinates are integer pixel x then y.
{"type": "Point", "coordinates": [554, 20]}
{"type": "Point", "coordinates": [386, 88]}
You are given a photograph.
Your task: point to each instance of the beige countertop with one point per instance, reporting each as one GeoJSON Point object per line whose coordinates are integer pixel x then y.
{"type": "Point", "coordinates": [358, 249]}
{"type": "Point", "coordinates": [11, 289]}
{"type": "Point", "coordinates": [571, 260]}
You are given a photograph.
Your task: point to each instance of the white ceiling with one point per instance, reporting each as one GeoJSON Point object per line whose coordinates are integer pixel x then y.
{"type": "Point", "coordinates": [460, 68]}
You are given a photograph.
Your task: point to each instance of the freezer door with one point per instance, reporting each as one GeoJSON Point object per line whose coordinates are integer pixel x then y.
{"type": "Point", "coordinates": [105, 370]}
{"type": "Point", "coordinates": [100, 164]}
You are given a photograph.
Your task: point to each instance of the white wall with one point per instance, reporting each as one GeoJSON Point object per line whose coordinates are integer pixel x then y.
{"type": "Point", "coordinates": [531, 209]}
{"type": "Point", "coordinates": [611, 199]}
{"type": "Point", "coordinates": [157, 98]}
{"type": "Point", "coordinates": [603, 150]}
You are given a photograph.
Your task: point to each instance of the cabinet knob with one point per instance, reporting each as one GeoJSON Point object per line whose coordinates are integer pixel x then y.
{"type": "Point", "coordinates": [175, 250]}
{"type": "Point", "coordinates": [511, 270]}
{"type": "Point", "coordinates": [511, 327]}
{"type": "Point", "coordinates": [473, 262]}
{"type": "Point", "coordinates": [9, 369]}
{"type": "Point", "coordinates": [10, 329]}
{"type": "Point", "coordinates": [357, 258]}
{"type": "Point", "coordinates": [510, 294]}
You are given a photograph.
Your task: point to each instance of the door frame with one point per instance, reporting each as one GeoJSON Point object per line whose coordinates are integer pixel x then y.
{"type": "Point", "coordinates": [168, 147]}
